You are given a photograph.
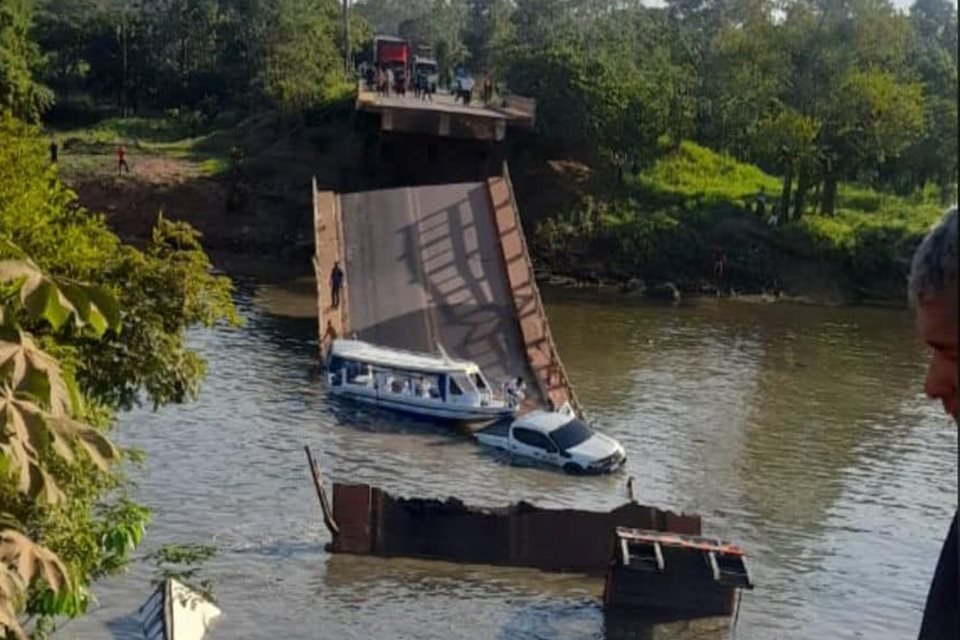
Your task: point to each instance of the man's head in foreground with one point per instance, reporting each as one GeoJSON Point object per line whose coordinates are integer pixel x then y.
{"type": "Point", "coordinates": [933, 293]}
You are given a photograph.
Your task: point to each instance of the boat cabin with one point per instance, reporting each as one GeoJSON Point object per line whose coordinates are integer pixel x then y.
{"type": "Point", "coordinates": [436, 386]}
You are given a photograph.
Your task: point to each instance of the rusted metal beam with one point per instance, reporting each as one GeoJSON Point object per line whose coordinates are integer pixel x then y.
{"type": "Point", "coordinates": [327, 511]}
{"type": "Point", "coordinates": [372, 522]}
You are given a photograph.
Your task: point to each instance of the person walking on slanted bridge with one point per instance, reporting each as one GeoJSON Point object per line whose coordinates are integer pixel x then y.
{"type": "Point", "coordinates": [336, 284]}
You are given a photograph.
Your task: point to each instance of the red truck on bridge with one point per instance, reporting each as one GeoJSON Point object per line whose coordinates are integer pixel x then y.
{"type": "Point", "coordinates": [391, 52]}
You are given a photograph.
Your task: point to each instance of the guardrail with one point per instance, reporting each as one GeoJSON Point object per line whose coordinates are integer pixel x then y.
{"type": "Point", "coordinates": [555, 363]}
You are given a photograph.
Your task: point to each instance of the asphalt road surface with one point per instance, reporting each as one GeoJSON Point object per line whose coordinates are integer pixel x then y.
{"type": "Point", "coordinates": [423, 267]}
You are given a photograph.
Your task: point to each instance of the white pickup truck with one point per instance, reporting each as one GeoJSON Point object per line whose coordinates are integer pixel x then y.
{"type": "Point", "coordinates": [556, 438]}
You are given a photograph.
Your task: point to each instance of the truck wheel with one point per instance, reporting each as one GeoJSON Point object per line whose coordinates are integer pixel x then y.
{"type": "Point", "coordinates": [572, 468]}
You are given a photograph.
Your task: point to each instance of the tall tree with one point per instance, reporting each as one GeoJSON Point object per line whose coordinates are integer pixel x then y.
{"type": "Point", "coordinates": [19, 59]}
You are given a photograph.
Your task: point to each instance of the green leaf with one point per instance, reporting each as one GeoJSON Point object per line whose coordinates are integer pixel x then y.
{"type": "Point", "coordinates": [46, 302]}
{"type": "Point", "coordinates": [56, 300]}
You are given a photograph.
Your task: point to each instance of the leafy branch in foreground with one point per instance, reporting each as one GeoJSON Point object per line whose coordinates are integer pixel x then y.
{"type": "Point", "coordinates": [39, 433]}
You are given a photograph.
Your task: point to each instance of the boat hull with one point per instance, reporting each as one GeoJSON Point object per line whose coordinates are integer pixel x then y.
{"type": "Point", "coordinates": [433, 411]}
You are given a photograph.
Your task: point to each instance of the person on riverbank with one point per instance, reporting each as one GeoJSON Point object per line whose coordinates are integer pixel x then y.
{"type": "Point", "coordinates": [719, 269]}
{"type": "Point", "coordinates": [933, 295]}
{"type": "Point", "coordinates": [336, 284]}
{"type": "Point", "coordinates": [54, 151]}
{"type": "Point", "coordinates": [122, 160]}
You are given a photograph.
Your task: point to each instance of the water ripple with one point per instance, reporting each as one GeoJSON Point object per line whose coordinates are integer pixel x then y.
{"type": "Point", "coordinates": [800, 433]}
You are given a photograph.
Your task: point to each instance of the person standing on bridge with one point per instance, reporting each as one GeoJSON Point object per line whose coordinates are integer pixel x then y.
{"type": "Point", "coordinates": [336, 284]}
{"type": "Point", "coordinates": [933, 294]}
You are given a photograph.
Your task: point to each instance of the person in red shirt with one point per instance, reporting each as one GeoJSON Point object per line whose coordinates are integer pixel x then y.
{"type": "Point", "coordinates": [121, 160]}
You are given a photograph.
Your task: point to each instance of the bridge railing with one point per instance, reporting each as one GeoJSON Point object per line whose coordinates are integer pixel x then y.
{"type": "Point", "coordinates": [556, 365]}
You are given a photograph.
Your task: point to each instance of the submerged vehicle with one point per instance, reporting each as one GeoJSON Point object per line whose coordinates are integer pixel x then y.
{"type": "Point", "coordinates": [558, 438]}
{"type": "Point", "coordinates": [425, 385]}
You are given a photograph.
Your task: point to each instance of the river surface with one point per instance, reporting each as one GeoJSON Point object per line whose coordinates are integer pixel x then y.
{"type": "Point", "coordinates": [799, 432]}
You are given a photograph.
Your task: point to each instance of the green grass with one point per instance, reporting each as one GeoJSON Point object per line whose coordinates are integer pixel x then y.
{"type": "Point", "coordinates": [697, 173]}
{"type": "Point", "coordinates": [693, 201]}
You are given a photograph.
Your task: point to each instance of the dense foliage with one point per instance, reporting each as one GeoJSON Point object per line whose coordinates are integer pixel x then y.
{"type": "Point", "coordinates": [820, 95]}
{"type": "Point", "coordinates": [198, 56]}
{"type": "Point", "coordinates": [71, 355]}
{"type": "Point", "coordinates": [815, 91]}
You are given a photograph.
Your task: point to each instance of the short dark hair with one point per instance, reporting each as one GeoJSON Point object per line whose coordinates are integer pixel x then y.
{"type": "Point", "coordinates": [934, 266]}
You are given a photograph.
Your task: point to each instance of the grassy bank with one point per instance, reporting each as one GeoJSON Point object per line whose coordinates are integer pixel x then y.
{"type": "Point", "coordinates": [669, 222]}
{"type": "Point", "coordinates": [245, 185]}
{"type": "Point", "coordinates": [86, 151]}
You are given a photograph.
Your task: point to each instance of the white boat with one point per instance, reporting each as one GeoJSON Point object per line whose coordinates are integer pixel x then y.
{"type": "Point", "coordinates": [176, 612]}
{"type": "Point", "coordinates": [426, 385]}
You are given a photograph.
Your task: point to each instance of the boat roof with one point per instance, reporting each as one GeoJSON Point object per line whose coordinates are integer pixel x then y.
{"type": "Point", "coordinates": [372, 354]}
{"type": "Point", "coordinates": [544, 421]}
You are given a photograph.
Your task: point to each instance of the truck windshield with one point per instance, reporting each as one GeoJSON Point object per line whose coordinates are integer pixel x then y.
{"type": "Point", "coordinates": [571, 434]}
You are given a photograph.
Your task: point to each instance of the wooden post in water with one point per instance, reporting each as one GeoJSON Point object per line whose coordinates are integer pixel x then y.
{"type": "Point", "coordinates": [328, 520]}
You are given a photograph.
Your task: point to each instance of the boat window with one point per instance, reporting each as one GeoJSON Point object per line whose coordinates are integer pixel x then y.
{"type": "Point", "coordinates": [534, 439]}
{"type": "Point", "coordinates": [571, 434]}
{"type": "Point", "coordinates": [479, 381]}
{"type": "Point", "coordinates": [426, 386]}
{"type": "Point", "coordinates": [455, 389]}
{"type": "Point", "coordinates": [461, 383]}
{"type": "Point", "coordinates": [357, 370]}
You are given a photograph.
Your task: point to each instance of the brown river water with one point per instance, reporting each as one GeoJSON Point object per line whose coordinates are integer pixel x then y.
{"type": "Point", "coordinates": [799, 432]}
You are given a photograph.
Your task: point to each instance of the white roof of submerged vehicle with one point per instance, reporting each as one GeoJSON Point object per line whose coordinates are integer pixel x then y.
{"type": "Point", "coordinates": [544, 421]}
{"type": "Point", "coordinates": [371, 354]}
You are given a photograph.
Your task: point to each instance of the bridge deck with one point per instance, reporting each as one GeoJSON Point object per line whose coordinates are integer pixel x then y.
{"type": "Point", "coordinates": [440, 264]}
{"type": "Point", "coordinates": [444, 117]}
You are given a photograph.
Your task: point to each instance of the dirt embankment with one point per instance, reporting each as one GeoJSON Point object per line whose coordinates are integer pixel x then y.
{"type": "Point", "coordinates": [260, 203]}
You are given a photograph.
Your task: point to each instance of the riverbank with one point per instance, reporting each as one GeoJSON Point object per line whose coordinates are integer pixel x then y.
{"type": "Point", "coordinates": [244, 185]}
{"type": "Point", "coordinates": [659, 233]}
{"type": "Point", "coordinates": [666, 228]}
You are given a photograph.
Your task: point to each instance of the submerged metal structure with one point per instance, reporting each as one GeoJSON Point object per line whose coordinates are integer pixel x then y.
{"type": "Point", "coordinates": [370, 521]}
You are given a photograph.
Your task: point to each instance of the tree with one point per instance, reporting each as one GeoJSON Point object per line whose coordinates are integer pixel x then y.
{"type": "Point", "coordinates": [488, 33]}
{"type": "Point", "coordinates": [70, 356]}
{"type": "Point", "coordinates": [19, 57]}
{"type": "Point", "coordinates": [40, 433]}
{"type": "Point", "coordinates": [870, 118]}
{"type": "Point", "coordinates": [298, 60]}
{"type": "Point", "coordinates": [787, 140]}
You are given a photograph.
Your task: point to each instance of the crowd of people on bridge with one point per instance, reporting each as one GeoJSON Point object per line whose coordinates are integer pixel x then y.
{"type": "Point", "coordinates": [395, 81]}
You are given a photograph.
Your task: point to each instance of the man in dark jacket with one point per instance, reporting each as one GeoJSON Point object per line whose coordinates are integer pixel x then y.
{"type": "Point", "coordinates": [933, 294]}
{"type": "Point", "coordinates": [336, 284]}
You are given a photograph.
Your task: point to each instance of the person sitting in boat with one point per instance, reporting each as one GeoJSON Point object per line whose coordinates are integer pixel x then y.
{"type": "Point", "coordinates": [407, 388]}
{"type": "Point", "coordinates": [424, 388]}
